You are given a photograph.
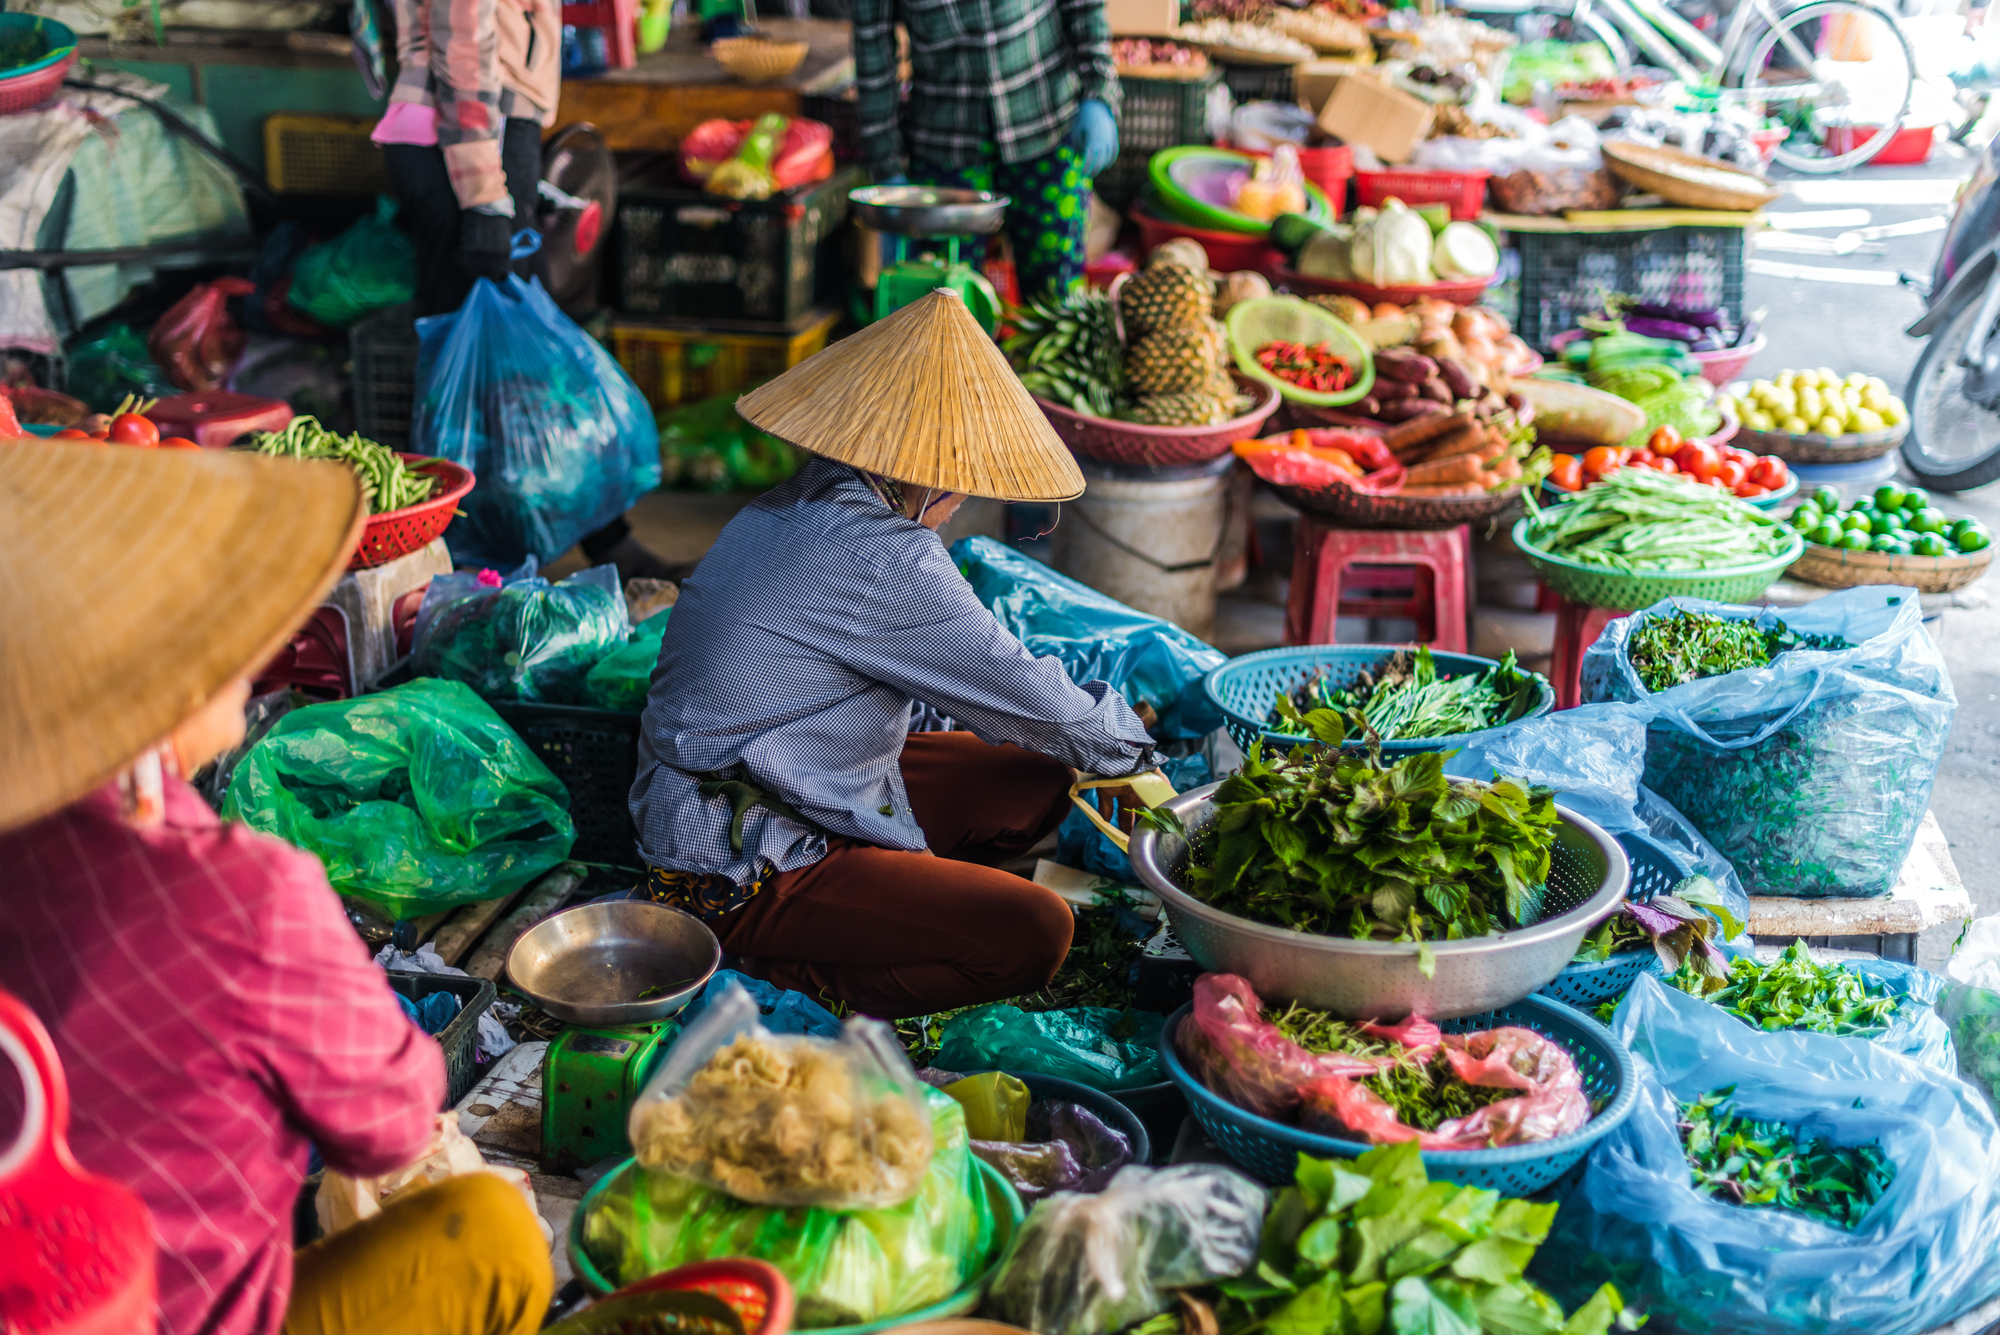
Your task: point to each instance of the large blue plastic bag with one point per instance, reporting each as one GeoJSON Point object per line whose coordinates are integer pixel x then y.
{"type": "Point", "coordinates": [778, 1010]}
{"type": "Point", "coordinates": [1916, 1030]}
{"type": "Point", "coordinates": [522, 638]}
{"type": "Point", "coordinates": [561, 440]}
{"type": "Point", "coordinates": [1812, 774]}
{"type": "Point", "coordinates": [1594, 756]}
{"type": "Point", "coordinates": [1080, 844]}
{"type": "Point", "coordinates": [1144, 658]}
{"type": "Point", "coordinates": [1928, 1251]}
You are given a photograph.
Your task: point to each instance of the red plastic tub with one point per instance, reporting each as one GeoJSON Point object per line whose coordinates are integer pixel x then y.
{"type": "Point", "coordinates": [1329, 168]}
{"type": "Point", "coordinates": [1465, 192]}
{"type": "Point", "coordinates": [219, 416]}
{"type": "Point", "coordinates": [1227, 251]}
{"type": "Point", "coordinates": [1909, 145]}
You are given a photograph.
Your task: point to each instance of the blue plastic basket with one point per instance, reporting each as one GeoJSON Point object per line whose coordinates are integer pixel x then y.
{"type": "Point", "coordinates": [1655, 871]}
{"type": "Point", "coordinates": [1245, 688]}
{"type": "Point", "coordinates": [1271, 1150]}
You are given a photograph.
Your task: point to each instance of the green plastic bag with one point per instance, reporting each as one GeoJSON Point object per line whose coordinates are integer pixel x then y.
{"type": "Point", "coordinates": [414, 799]}
{"type": "Point", "coordinates": [622, 677]}
{"type": "Point", "coordinates": [1093, 1045]}
{"type": "Point", "coordinates": [845, 1266]}
{"type": "Point", "coordinates": [524, 638]}
{"type": "Point", "coordinates": [112, 365]}
{"type": "Point", "coordinates": [367, 267]}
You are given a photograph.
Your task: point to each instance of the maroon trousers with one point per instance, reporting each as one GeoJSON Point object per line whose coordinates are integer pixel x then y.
{"type": "Point", "coordinates": [895, 934]}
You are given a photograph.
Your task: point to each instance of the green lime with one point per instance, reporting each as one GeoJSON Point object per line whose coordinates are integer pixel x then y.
{"type": "Point", "coordinates": [1930, 521]}
{"type": "Point", "coordinates": [1930, 544]}
{"type": "Point", "coordinates": [1856, 540]}
{"type": "Point", "coordinates": [1885, 521]}
{"type": "Point", "coordinates": [1884, 543]}
{"type": "Point", "coordinates": [1827, 499]}
{"type": "Point", "coordinates": [1857, 521]}
{"type": "Point", "coordinates": [1903, 541]}
{"type": "Point", "coordinates": [1916, 498]}
{"type": "Point", "coordinates": [1805, 519]}
{"type": "Point", "coordinates": [1974, 540]}
{"type": "Point", "coordinates": [1828, 534]}
{"type": "Point", "coordinates": [1888, 496]}
{"type": "Point", "coordinates": [1959, 526]}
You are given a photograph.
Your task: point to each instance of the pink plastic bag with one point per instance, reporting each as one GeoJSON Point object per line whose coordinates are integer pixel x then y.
{"type": "Point", "coordinates": [1238, 1054]}
{"type": "Point", "coordinates": [196, 342]}
{"type": "Point", "coordinates": [804, 155]}
{"type": "Point", "coordinates": [1551, 1103]}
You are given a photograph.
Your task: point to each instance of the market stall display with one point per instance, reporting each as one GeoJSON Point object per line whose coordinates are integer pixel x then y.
{"type": "Point", "coordinates": [1893, 535]}
{"type": "Point", "coordinates": [1764, 480]}
{"type": "Point", "coordinates": [1307, 354]}
{"type": "Point", "coordinates": [1819, 417]}
{"type": "Point", "coordinates": [1231, 192]}
{"type": "Point", "coordinates": [411, 499]}
{"type": "Point", "coordinates": [1394, 253]}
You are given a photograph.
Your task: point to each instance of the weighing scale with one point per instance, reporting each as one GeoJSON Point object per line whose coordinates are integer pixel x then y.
{"type": "Point", "coordinates": [910, 211]}
{"type": "Point", "coordinates": [590, 1080]}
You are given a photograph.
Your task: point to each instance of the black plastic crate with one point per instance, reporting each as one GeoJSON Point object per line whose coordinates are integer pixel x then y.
{"type": "Point", "coordinates": [1260, 83]}
{"type": "Point", "coordinates": [595, 752]}
{"type": "Point", "coordinates": [682, 252]}
{"type": "Point", "coordinates": [384, 349]}
{"type": "Point", "coordinates": [461, 1036]}
{"type": "Point", "coordinates": [841, 114]}
{"type": "Point", "coordinates": [1125, 179]}
{"type": "Point", "coordinates": [1161, 113]}
{"type": "Point", "coordinates": [1565, 275]}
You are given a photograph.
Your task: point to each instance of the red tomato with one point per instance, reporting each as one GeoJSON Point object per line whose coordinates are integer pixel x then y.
{"type": "Point", "coordinates": [1567, 473]}
{"type": "Point", "coordinates": [1732, 473]}
{"type": "Point", "coordinates": [132, 429]}
{"type": "Point", "coordinates": [1747, 490]}
{"type": "Point", "coordinates": [1769, 472]}
{"type": "Point", "coordinates": [1642, 457]}
{"type": "Point", "coordinates": [1734, 454]}
{"type": "Point", "coordinates": [1666, 440]}
{"type": "Point", "coordinates": [1667, 466]}
{"type": "Point", "coordinates": [71, 433]}
{"type": "Point", "coordinates": [1600, 460]}
{"type": "Point", "coordinates": [1699, 461]}
{"type": "Point", "coordinates": [178, 443]}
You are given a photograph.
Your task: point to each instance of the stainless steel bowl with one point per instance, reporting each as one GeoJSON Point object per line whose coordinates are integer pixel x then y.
{"type": "Point", "coordinates": [1588, 877]}
{"type": "Point", "coordinates": [928, 210]}
{"type": "Point", "coordinates": [623, 962]}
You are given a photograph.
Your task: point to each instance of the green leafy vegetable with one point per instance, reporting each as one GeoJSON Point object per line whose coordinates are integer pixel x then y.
{"type": "Point", "coordinates": [1375, 1246]}
{"type": "Point", "coordinates": [1339, 844]}
{"type": "Point", "coordinates": [387, 482]}
{"type": "Point", "coordinates": [1639, 519]}
{"type": "Point", "coordinates": [1746, 1162]}
{"type": "Point", "coordinates": [1423, 1093]}
{"type": "Point", "coordinates": [1674, 926]}
{"type": "Point", "coordinates": [1795, 991]}
{"type": "Point", "coordinates": [1685, 646]}
{"type": "Point", "coordinates": [1409, 699]}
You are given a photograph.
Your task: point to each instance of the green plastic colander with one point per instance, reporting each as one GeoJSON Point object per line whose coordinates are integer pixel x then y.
{"type": "Point", "coordinates": [1598, 586]}
{"type": "Point", "coordinates": [1254, 323]}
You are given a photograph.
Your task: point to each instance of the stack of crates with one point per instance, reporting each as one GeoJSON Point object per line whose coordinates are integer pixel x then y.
{"type": "Point", "coordinates": [674, 363]}
{"type": "Point", "coordinates": [1156, 114]}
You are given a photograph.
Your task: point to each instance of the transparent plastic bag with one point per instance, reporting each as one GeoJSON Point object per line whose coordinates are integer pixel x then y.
{"type": "Point", "coordinates": [1145, 659]}
{"type": "Point", "coordinates": [1067, 1148]}
{"type": "Point", "coordinates": [414, 799]}
{"type": "Point", "coordinates": [621, 679]}
{"type": "Point", "coordinates": [371, 265]}
{"type": "Point", "coordinates": [1970, 1004]}
{"type": "Point", "coordinates": [1551, 1101]}
{"type": "Point", "coordinates": [1921, 1257]}
{"type": "Point", "coordinates": [845, 1267]}
{"type": "Point", "coordinates": [786, 1119]}
{"type": "Point", "coordinates": [521, 638]}
{"type": "Point", "coordinates": [560, 438]}
{"type": "Point", "coordinates": [1093, 1045]}
{"type": "Point", "coordinates": [1812, 774]}
{"type": "Point", "coordinates": [1090, 1265]}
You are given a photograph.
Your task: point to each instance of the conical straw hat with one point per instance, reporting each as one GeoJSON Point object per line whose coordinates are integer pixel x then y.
{"type": "Point", "coordinates": [134, 584]}
{"type": "Point", "coordinates": [926, 398]}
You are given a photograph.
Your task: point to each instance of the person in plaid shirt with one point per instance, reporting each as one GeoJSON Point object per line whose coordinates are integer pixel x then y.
{"type": "Point", "coordinates": [1019, 97]}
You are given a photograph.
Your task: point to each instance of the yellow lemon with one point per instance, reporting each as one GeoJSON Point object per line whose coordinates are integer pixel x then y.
{"type": "Point", "coordinates": [1795, 425]}
{"type": "Point", "coordinates": [1867, 419]}
{"type": "Point", "coordinates": [1831, 426]}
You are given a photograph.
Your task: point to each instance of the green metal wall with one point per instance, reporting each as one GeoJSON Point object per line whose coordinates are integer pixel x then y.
{"type": "Point", "coordinates": [241, 96]}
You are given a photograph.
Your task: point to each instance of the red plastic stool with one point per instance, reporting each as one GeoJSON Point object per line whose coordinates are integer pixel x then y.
{"type": "Point", "coordinates": [1331, 565]}
{"type": "Point", "coordinates": [620, 21]}
{"type": "Point", "coordinates": [1576, 627]}
{"type": "Point", "coordinates": [76, 1251]}
{"type": "Point", "coordinates": [217, 417]}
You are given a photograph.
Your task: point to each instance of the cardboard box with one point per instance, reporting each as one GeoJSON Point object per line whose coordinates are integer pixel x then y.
{"type": "Point", "coordinates": [1142, 18]}
{"type": "Point", "coordinates": [1364, 110]}
{"type": "Point", "coordinates": [1314, 80]}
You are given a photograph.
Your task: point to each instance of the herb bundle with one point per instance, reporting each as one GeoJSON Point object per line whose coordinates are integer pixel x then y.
{"type": "Point", "coordinates": [1686, 646]}
{"type": "Point", "coordinates": [1748, 1162]}
{"type": "Point", "coordinates": [1794, 991]}
{"type": "Point", "coordinates": [1408, 699]}
{"type": "Point", "coordinates": [1677, 927]}
{"type": "Point", "coordinates": [1338, 844]}
{"type": "Point", "coordinates": [1375, 1245]}
{"type": "Point", "coordinates": [1422, 1093]}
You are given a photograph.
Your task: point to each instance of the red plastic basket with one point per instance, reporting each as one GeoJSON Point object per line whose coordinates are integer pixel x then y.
{"type": "Point", "coordinates": [1911, 144]}
{"type": "Point", "coordinates": [31, 90]}
{"type": "Point", "coordinates": [397, 533]}
{"type": "Point", "coordinates": [1114, 442]}
{"type": "Point", "coordinates": [1227, 251]}
{"type": "Point", "coordinates": [1463, 293]}
{"type": "Point", "coordinates": [1723, 365]}
{"type": "Point", "coordinates": [1465, 192]}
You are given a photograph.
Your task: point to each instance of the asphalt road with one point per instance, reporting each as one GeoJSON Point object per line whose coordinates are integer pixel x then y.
{"type": "Point", "coordinates": [1854, 326]}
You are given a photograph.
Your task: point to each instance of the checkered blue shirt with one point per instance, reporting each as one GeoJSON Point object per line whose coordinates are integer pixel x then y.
{"type": "Point", "coordinates": [803, 648]}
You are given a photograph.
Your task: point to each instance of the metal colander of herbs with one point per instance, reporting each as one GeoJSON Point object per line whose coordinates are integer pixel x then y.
{"type": "Point", "coordinates": [1669, 651]}
{"type": "Point", "coordinates": [1408, 698]}
{"type": "Point", "coordinates": [1736, 1159]}
{"type": "Point", "coordinates": [1423, 1094]}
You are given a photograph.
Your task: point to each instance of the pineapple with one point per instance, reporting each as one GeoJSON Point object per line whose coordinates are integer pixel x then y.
{"type": "Point", "coordinates": [1181, 250]}
{"type": "Point", "coordinates": [1196, 408]}
{"type": "Point", "coordinates": [1170, 361]}
{"type": "Point", "coordinates": [1220, 385]}
{"type": "Point", "coordinates": [1165, 296]}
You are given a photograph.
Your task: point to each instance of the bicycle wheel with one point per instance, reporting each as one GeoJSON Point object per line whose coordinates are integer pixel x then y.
{"type": "Point", "coordinates": [1843, 103]}
{"type": "Point", "coordinates": [1953, 443]}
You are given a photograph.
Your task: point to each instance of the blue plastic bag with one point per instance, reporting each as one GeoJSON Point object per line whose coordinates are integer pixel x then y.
{"type": "Point", "coordinates": [1080, 844]}
{"type": "Point", "coordinates": [1922, 1256]}
{"type": "Point", "coordinates": [1145, 659]}
{"type": "Point", "coordinates": [561, 440]}
{"type": "Point", "coordinates": [1593, 757]}
{"type": "Point", "coordinates": [1812, 774]}
{"type": "Point", "coordinates": [522, 638]}
{"type": "Point", "coordinates": [778, 1010]}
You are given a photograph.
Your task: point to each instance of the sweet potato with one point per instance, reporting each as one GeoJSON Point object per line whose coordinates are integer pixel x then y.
{"type": "Point", "coordinates": [1402, 364]}
{"type": "Point", "coordinates": [1464, 440]}
{"type": "Point", "coordinates": [1404, 409]}
{"type": "Point", "coordinates": [1442, 492]}
{"type": "Point", "coordinates": [1441, 472]}
{"type": "Point", "coordinates": [1405, 439]}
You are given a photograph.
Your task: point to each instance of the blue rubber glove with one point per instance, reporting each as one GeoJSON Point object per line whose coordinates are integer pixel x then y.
{"type": "Point", "coordinates": [1100, 136]}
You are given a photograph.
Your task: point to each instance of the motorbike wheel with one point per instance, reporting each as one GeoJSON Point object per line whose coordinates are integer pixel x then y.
{"type": "Point", "coordinates": [1953, 444]}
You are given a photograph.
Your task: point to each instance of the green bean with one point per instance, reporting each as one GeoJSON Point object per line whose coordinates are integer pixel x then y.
{"type": "Point", "coordinates": [1637, 519]}
{"type": "Point", "coordinates": [387, 483]}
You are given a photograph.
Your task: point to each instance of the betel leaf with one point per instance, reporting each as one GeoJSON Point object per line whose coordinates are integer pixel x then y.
{"type": "Point", "coordinates": [1406, 698]}
{"type": "Point", "coordinates": [1417, 1308]}
{"type": "Point", "coordinates": [1795, 991]}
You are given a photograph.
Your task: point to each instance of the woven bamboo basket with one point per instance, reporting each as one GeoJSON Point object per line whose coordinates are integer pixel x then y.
{"type": "Point", "coordinates": [1838, 568]}
{"type": "Point", "coordinates": [757, 59]}
{"type": "Point", "coordinates": [1688, 179]}
{"type": "Point", "coordinates": [1810, 447]}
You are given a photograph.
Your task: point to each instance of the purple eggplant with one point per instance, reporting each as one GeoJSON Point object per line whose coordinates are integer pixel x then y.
{"type": "Point", "coordinates": [1701, 317]}
{"type": "Point", "coordinates": [1747, 333]}
{"type": "Point", "coordinates": [1708, 342]}
{"type": "Point", "coordinates": [1652, 327]}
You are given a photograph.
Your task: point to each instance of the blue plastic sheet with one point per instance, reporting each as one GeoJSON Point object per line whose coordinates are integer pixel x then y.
{"type": "Point", "coordinates": [1593, 757]}
{"type": "Point", "coordinates": [1812, 774]}
{"type": "Point", "coordinates": [433, 1013]}
{"type": "Point", "coordinates": [1924, 1254]}
{"type": "Point", "coordinates": [561, 440]}
{"type": "Point", "coordinates": [1145, 659]}
{"type": "Point", "coordinates": [778, 1010]}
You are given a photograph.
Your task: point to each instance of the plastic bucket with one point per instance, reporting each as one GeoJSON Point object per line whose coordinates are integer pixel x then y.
{"type": "Point", "coordinates": [1227, 251]}
{"type": "Point", "coordinates": [1152, 538]}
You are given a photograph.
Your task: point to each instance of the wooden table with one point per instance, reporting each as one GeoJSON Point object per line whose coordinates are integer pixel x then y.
{"type": "Point", "coordinates": [656, 102]}
{"type": "Point", "coordinates": [1927, 893]}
